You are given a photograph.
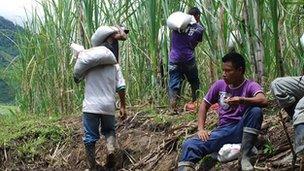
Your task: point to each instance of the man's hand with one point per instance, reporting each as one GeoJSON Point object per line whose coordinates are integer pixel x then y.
{"type": "Point", "coordinates": [203, 134]}
{"type": "Point", "coordinates": [234, 100]}
{"type": "Point", "coordinates": [122, 113]}
{"type": "Point", "coordinates": [120, 34]}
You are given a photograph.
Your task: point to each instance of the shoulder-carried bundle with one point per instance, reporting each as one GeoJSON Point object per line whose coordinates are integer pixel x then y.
{"type": "Point", "coordinates": [90, 58]}
{"type": "Point", "coordinates": [101, 34]}
{"type": "Point", "coordinates": [179, 21]}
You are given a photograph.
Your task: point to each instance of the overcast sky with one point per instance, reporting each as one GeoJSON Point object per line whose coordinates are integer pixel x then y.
{"type": "Point", "coordinates": [14, 10]}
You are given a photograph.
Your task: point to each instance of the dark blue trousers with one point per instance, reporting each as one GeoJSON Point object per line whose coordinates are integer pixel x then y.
{"type": "Point", "coordinates": [178, 72]}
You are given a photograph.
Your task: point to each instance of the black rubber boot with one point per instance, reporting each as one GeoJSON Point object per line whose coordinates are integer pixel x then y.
{"type": "Point", "coordinates": [90, 153]}
{"type": "Point", "coordinates": [290, 110]}
{"type": "Point", "coordinates": [185, 168]}
{"type": "Point", "coordinates": [248, 142]}
{"type": "Point", "coordinates": [299, 139]}
{"type": "Point", "coordinates": [110, 165]}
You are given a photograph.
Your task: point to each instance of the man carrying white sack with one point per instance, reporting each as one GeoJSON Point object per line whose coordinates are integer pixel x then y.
{"type": "Point", "coordinates": [101, 83]}
{"type": "Point", "coordinates": [113, 34]}
{"type": "Point", "coordinates": [182, 61]}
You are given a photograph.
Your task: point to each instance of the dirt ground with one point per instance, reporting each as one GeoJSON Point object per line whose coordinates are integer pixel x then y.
{"type": "Point", "coordinates": [145, 144]}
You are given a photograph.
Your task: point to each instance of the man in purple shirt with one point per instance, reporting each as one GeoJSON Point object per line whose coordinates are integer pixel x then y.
{"type": "Point", "coordinates": [240, 115]}
{"type": "Point", "coordinates": [182, 59]}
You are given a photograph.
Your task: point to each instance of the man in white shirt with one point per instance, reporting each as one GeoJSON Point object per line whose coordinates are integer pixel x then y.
{"type": "Point", "coordinates": [101, 84]}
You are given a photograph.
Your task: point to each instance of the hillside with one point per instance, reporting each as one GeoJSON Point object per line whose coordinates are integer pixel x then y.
{"type": "Point", "coordinates": [8, 51]}
{"type": "Point", "coordinates": [149, 139]}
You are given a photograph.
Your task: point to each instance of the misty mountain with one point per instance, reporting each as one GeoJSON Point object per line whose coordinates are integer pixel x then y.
{"type": "Point", "coordinates": [8, 51]}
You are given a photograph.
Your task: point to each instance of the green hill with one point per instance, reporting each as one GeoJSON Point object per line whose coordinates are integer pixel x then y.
{"type": "Point", "coordinates": [8, 51]}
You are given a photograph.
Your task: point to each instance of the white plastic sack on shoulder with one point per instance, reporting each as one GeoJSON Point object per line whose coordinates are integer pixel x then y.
{"type": "Point", "coordinates": [76, 49]}
{"type": "Point", "coordinates": [179, 21]}
{"type": "Point", "coordinates": [92, 57]}
{"type": "Point", "coordinates": [101, 34]}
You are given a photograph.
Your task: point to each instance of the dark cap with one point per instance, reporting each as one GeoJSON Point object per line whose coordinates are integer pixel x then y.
{"type": "Point", "coordinates": [194, 11]}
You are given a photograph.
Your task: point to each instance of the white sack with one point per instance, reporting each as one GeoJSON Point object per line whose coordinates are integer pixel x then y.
{"type": "Point", "coordinates": [76, 49]}
{"type": "Point", "coordinates": [90, 58]}
{"type": "Point", "coordinates": [179, 21]}
{"type": "Point", "coordinates": [101, 34]}
{"type": "Point", "coordinates": [230, 152]}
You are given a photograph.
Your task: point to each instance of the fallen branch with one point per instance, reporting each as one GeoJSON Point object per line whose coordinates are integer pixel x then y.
{"type": "Point", "coordinates": [5, 154]}
{"type": "Point", "coordinates": [280, 155]}
{"type": "Point", "coordinates": [289, 141]}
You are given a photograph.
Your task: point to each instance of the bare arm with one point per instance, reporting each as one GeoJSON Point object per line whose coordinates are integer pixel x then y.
{"type": "Point", "coordinates": [122, 97]}
{"type": "Point", "coordinates": [202, 114]}
{"type": "Point", "coordinates": [258, 100]}
{"type": "Point", "coordinates": [120, 34]}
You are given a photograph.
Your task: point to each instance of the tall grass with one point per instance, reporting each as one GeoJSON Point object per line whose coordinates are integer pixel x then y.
{"type": "Point", "coordinates": [43, 69]}
{"type": "Point", "coordinates": [45, 72]}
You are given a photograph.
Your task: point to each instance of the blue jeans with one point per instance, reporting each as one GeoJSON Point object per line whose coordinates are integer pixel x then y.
{"type": "Point", "coordinates": [194, 148]}
{"type": "Point", "coordinates": [178, 72]}
{"type": "Point", "coordinates": [92, 122]}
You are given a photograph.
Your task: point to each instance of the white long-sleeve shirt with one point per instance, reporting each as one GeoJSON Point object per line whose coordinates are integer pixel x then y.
{"type": "Point", "coordinates": [101, 83]}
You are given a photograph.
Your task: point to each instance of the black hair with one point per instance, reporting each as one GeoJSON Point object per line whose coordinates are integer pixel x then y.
{"type": "Point", "coordinates": [194, 11]}
{"type": "Point", "coordinates": [236, 59]}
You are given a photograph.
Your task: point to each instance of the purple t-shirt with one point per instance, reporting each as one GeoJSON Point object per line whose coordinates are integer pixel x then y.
{"type": "Point", "coordinates": [183, 44]}
{"type": "Point", "coordinates": [219, 91]}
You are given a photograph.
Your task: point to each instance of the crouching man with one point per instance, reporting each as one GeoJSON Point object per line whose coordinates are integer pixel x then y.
{"type": "Point", "coordinates": [240, 116]}
{"type": "Point", "coordinates": [289, 92]}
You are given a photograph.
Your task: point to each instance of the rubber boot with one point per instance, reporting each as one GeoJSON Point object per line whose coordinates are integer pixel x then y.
{"type": "Point", "coordinates": [247, 144]}
{"type": "Point", "coordinates": [299, 139]}
{"type": "Point", "coordinates": [111, 146]}
{"type": "Point", "coordinates": [90, 153]}
{"type": "Point", "coordinates": [290, 109]}
{"type": "Point", "coordinates": [185, 168]}
{"type": "Point", "coordinates": [110, 165]}
{"type": "Point", "coordinates": [111, 143]}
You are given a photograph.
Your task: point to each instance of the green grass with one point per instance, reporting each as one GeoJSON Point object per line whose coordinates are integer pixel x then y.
{"type": "Point", "coordinates": [29, 136]}
{"type": "Point", "coordinates": [163, 118]}
{"type": "Point", "coordinates": [7, 109]}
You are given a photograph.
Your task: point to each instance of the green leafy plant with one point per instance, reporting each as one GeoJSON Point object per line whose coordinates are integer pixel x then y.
{"type": "Point", "coordinates": [269, 149]}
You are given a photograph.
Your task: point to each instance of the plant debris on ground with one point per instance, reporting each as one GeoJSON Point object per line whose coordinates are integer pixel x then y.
{"type": "Point", "coordinates": [149, 139]}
